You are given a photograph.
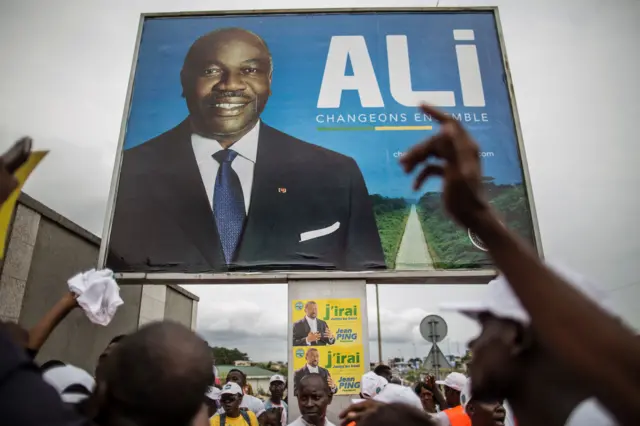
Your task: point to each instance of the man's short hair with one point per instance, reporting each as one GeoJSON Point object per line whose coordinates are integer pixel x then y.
{"type": "Point", "coordinates": [158, 376]}
{"type": "Point", "coordinates": [47, 365]}
{"type": "Point", "coordinates": [313, 376]}
{"type": "Point", "coordinates": [235, 370]}
{"type": "Point", "coordinates": [210, 34]}
{"type": "Point", "coordinates": [381, 369]}
{"type": "Point", "coordinates": [117, 339]}
{"type": "Point", "coordinates": [311, 350]}
{"type": "Point", "coordinates": [310, 302]}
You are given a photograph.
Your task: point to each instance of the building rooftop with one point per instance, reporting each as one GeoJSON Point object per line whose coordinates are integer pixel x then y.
{"type": "Point", "coordinates": [251, 372]}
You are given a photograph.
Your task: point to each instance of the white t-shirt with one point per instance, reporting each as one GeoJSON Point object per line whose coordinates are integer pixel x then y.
{"type": "Point", "coordinates": [590, 413]}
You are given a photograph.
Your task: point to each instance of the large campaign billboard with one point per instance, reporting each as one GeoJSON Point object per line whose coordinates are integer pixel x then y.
{"type": "Point", "coordinates": [265, 142]}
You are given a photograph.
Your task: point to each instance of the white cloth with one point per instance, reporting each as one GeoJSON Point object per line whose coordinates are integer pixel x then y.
{"type": "Point", "coordinates": [98, 295]}
{"type": "Point", "coordinates": [371, 384]}
{"type": "Point", "coordinates": [311, 369]}
{"type": "Point", "coordinates": [398, 393]}
{"type": "Point", "coordinates": [252, 403]}
{"type": "Point", "coordinates": [244, 164]}
{"type": "Point", "coordinates": [590, 413]}
{"type": "Point", "coordinates": [300, 422]}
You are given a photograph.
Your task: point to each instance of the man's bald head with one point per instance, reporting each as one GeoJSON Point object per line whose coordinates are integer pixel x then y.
{"type": "Point", "coordinates": [157, 376]}
{"type": "Point", "coordinates": [221, 36]}
{"type": "Point", "coordinates": [226, 81]}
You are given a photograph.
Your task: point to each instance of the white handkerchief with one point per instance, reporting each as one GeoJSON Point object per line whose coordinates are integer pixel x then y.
{"type": "Point", "coordinates": [98, 294]}
{"type": "Point", "coordinates": [310, 235]}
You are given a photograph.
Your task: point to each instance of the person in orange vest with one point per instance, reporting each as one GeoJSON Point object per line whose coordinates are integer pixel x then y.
{"type": "Point", "coordinates": [454, 415]}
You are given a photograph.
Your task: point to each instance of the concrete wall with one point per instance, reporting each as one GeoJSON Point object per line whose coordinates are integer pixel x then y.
{"type": "Point", "coordinates": [178, 307]}
{"type": "Point", "coordinates": [44, 250]}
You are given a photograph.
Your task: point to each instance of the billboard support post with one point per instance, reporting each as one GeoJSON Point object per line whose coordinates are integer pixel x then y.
{"type": "Point", "coordinates": [307, 290]}
{"type": "Point", "coordinates": [378, 321]}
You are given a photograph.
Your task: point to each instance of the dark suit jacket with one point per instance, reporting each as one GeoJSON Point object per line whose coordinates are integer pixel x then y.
{"type": "Point", "coordinates": [299, 374]}
{"type": "Point", "coordinates": [301, 329]}
{"type": "Point", "coordinates": [163, 219]}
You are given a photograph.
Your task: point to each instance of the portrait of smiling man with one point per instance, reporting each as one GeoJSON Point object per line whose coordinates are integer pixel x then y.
{"type": "Point", "coordinates": [225, 191]}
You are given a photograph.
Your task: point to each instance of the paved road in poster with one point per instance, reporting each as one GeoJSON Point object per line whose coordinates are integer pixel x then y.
{"type": "Point", "coordinates": [413, 253]}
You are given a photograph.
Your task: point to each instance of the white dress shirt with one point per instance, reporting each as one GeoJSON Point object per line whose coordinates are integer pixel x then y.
{"type": "Point", "coordinates": [244, 164]}
{"type": "Point", "coordinates": [300, 422]}
{"type": "Point", "coordinates": [315, 369]}
{"type": "Point", "coordinates": [313, 324]}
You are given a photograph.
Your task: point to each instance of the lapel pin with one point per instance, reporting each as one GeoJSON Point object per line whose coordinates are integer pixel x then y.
{"type": "Point", "coordinates": [282, 190]}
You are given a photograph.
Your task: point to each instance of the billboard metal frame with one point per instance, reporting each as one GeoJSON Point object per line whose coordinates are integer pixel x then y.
{"type": "Point", "coordinates": [476, 276]}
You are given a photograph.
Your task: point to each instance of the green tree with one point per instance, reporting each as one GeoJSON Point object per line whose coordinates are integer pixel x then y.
{"type": "Point", "coordinates": [226, 356]}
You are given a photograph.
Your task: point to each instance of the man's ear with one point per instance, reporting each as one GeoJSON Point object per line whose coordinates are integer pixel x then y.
{"type": "Point", "coordinates": [522, 339]}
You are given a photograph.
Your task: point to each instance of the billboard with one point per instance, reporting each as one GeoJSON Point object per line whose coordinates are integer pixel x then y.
{"type": "Point", "coordinates": [327, 340]}
{"type": "Point", "coordinates": [270, 142]}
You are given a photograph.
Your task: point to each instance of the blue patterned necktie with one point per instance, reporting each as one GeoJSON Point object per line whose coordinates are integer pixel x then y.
{"type": "Point", "coordinates": [228, 204]}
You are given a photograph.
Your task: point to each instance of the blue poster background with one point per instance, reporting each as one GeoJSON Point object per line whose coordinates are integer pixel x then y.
{"type": "Point", "coordinates": [299, 46]}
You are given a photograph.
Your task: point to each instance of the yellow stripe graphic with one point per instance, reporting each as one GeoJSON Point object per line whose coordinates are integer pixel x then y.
{"type": "Point", "coordinates": [389, 128]}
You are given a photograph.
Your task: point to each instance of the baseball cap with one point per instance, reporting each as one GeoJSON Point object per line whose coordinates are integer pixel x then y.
{"type": "Point", "coordinates": [454, 381]}
{"type": "Point", "coordinates": [231, 388]}
{"type": "Point", "coordinates": [277, 378]}
{"type": "Point", "coordinates": [398, 393]}
{"type": "Point", "coordinates": [213, 393]}
{"type": "Point", "coordinates": [501, 302]}
{"type": "Point", "coordinates": [73, 384]}
{"type": "Point", "coordinates": [371, 384]}
{"type": "Point", "coordinates": [465, 395]}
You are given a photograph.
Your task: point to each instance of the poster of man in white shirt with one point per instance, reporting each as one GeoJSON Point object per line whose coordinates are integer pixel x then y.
{"type": "Point", "coordinates": [312, 367]}
{"type": "Point", "coordinates": [310, 330]}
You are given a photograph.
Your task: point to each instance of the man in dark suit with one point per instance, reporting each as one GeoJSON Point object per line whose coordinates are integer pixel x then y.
{"type": "Point", "coordinates": [310, 330]}
{"type": "Point", "coordinates": [313, 358]}
{"type": "Point", "coordinates": [224, 191]}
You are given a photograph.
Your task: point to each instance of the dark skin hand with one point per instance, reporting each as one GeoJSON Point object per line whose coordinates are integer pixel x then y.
{"type": "Point", "coordinates": [567, 323]}
{"type": "Point", "coordinates": [435, 389]}
{"type": "Point", "coordinates": [8, 183]}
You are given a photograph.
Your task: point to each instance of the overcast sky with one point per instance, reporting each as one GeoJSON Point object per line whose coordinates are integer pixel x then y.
{"type": "Point", "coordinates": [63, 80]}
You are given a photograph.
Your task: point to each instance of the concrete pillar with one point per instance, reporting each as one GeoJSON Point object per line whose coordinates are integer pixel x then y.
{"type": "Point", "coordinates": [305, 290]}
{"type": "Point", "coordinates": [194, 315]}
{"type": "Point", "coordinates": [17, 262]}
{"type": "Point", "coordinates": [152, 303]}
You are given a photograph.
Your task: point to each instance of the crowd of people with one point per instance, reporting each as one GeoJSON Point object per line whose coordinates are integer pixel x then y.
{"type": "Point", "coordinates": [540, 349]}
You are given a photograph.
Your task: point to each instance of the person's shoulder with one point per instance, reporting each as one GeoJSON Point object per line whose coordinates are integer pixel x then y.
{"type": "Point", "coordinates": [300, 148]}
{"type": "Point", "coordinates": [161, 143]}
{"type": "Point", "coordinates": [215, 420]}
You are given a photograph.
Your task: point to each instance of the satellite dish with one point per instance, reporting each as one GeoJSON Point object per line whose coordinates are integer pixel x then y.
{"type": "Point", "coordinates": [433, 328]}
{"type": "Point", "coordinates": [476, 241]}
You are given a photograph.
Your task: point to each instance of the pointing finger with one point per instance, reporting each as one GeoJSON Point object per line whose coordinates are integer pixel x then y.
{"type": "Point", "coordinates": [433, 146]}
{"type": "Point", "coordinates": [435, 113]}
{"type": "Point", "coordinates": [428, 171]}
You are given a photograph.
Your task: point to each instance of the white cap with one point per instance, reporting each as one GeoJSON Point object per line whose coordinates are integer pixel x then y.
{"type": "Point", "coordinates": [501, 302]}
{"type": "Point", "coordinates": [401, 394]}
{"type": "Point", "coordinates": [454, 381]}
{"type": "Point", "coordinates": [231, 388]}
{"type": "Point", "coordinates": [277, 378]}
{"type": "Point", "coordinates": [465, 395]}
{"type": "Point", "coordinates": [372, 384]}
{"type": "Point", "coordinates": [64, 376]}
{"type": "Point", "coordinates": [213, 393]}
